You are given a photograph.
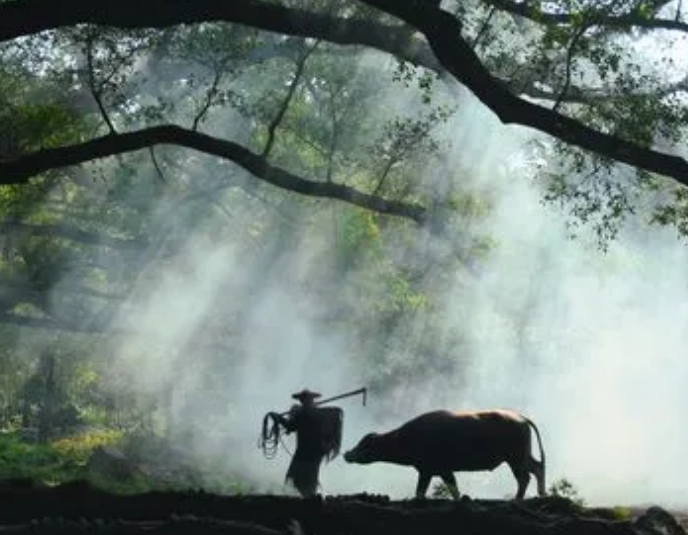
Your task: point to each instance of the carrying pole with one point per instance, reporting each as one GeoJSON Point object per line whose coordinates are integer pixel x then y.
{"type": "Point", "coordinates": [363, 391]}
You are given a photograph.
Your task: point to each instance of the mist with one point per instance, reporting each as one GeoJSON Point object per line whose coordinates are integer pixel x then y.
{"type": "Point", "coordinates": [588, 344]}
{"type": "Point", "coordinates": [599, 365]}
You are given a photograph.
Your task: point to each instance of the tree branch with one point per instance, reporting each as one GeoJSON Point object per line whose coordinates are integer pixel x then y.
{"type": "Point", "coordinates": [634, 19]}
{"type": "Point", "coordinates": [443, 31]}
{"type": "Point", "coordinates": [96, 91]}
{"type": "Point", "coordinates": [20, 170]}
{"type": "Point", "coordinates": [156, 165]}
{"type": "Point", "coordinates": [210, 95]}
{"type": "Point", "coordinates": [484, 27]}
{"type": "Point", "coordinates": [569, 66]}
{"type": "Point", "coordinates": [296, 80]}
{"type": "Point", "coordinates": [26, 17]}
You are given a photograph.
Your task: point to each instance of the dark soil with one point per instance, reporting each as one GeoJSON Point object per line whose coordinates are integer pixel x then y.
{"type": "Point", "coordinates": [79, 508]}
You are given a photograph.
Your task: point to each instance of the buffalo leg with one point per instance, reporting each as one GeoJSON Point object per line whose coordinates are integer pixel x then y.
{"type": "Point", "coordinates": [450, 481]}
{"type": "Point", "coordinates": [422, 485]}
{"type": "Point", "coordinates": [522, 475]}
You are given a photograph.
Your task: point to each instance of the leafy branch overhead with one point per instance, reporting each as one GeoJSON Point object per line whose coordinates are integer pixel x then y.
{"type": "Point", "coordinates": [21, 169]}
{"type": "Point", "coordinates": [516, 81]}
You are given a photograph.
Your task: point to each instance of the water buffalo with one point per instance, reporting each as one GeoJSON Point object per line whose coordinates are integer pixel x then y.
{"type": "Point", "coordinates": [440, 443]}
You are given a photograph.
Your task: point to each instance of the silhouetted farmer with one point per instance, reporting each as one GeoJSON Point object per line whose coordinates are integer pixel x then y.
{"type": "Point", "coordinates": [318, 436]}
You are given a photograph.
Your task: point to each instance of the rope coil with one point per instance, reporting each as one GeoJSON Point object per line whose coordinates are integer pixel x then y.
{"type": "Point", "coordinates": [271, 435]}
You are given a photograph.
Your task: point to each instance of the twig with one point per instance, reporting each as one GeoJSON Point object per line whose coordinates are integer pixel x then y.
{"type": "Point", "coordinates": [569, 61]}
{"type": "Point", "coordinates": [212, 91]}
{"type": "Point", "coordinates": [300, 65]}
{"type": "Point", "coordinates": [484, 27]}
{"type": "Point", "coordinates": [158, 169]}
{"type": "Point", "coordinates": [385, 173]}
{"type": "Point", "coordinates": [334, 137]}
{"type": "Point", "coordinates": [92, 84]}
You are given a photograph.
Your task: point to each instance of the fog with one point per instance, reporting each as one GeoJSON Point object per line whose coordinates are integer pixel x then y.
{"type": "Point", "coordinates": [599, 364]}
{"type": "Point", "coordinates": [602, 368]}
{"type": "Point", "coordinates": [589, 344]}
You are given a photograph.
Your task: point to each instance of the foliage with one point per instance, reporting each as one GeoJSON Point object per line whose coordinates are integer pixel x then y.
{"type": "Point", "coordinates": [39, 462]}
{"type": "Point", "coordinates": [440, 491]}
{"type": "Point", "coordinates": [588, 65]}
{"type": "Point", "coordinates": [564, 488]}
{"type": "Point", "coordinates": [28, 125]}
{"type": "Point", "coordinates": [79, 447]}
{"type": "Point", "coordinates": [622, 513]}
{"type": "Point", "coordinates": [66, 460]}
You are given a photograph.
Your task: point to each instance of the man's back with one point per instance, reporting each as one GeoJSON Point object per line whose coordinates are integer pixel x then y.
{"type": "Point", "coordinates": [319, 432]}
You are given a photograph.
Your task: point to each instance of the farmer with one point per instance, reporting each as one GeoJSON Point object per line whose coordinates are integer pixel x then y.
{"type": "Point", "coordinates": [318, 436]}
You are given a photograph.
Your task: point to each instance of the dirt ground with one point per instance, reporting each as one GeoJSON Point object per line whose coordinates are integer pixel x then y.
{"type": "Point", "coordinates": [77, 508]}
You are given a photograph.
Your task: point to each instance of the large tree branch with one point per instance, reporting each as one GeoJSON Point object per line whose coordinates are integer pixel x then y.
{"type": "Point", "coordinates": [21, 169]}
{"type": "Point", "coordinates": [443, 32]}
{"type": "Point", "coordinates": [26, 17]}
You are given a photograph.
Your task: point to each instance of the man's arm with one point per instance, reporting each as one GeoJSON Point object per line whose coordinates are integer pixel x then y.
{"type": "Point", "coordinates": [290, 422]}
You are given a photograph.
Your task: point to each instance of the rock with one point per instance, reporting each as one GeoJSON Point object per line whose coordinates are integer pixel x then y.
{"type": "Point", "coordinates": [658, 521]}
